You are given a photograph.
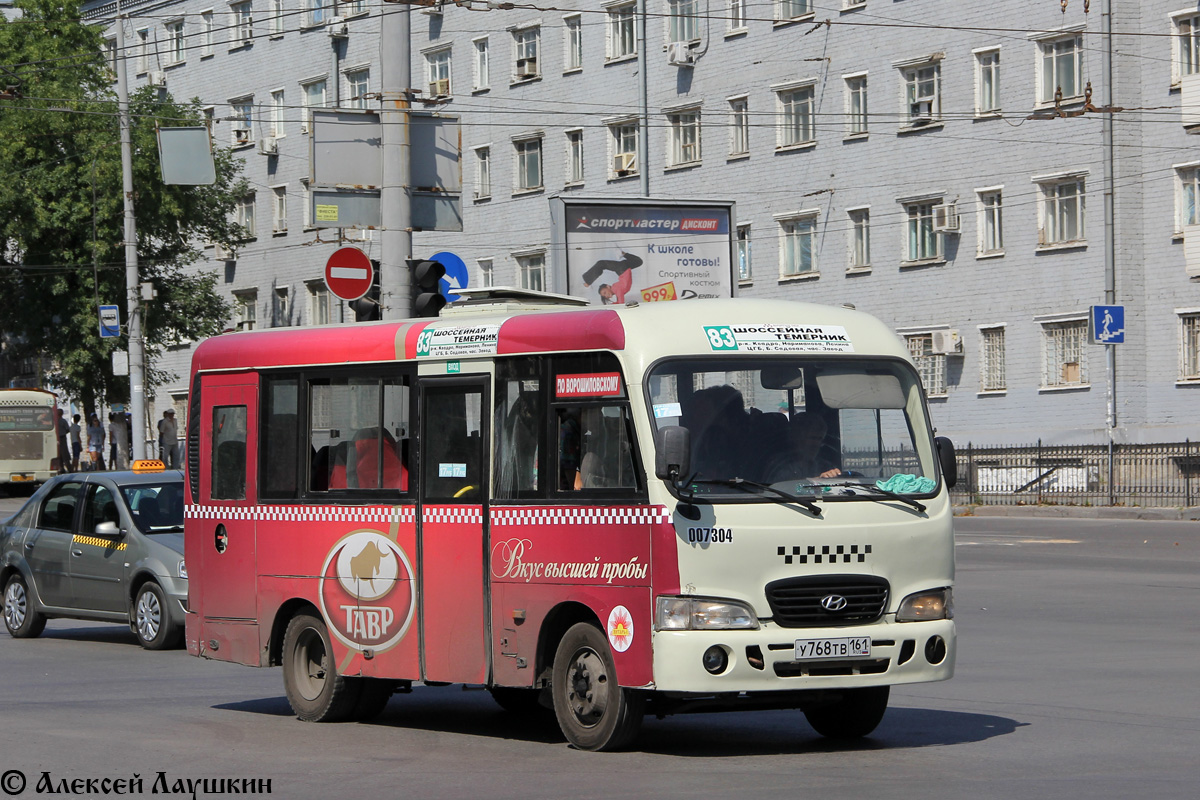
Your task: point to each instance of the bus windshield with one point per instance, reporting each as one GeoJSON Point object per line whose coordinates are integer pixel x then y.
{"type": "Point", "coordinates": [807, 425]}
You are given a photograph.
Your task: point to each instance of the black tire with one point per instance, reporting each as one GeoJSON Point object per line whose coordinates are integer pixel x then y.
{"type": "Point", "coordinates": [314, 689]}
{"type": "Point", "coordinates": [373, 697]}
{"type": "Point", "coordinates": [20, 617]}
{"type": "Point", "coordinates": [856, 714]}
{"type": "Point", "coordinates": [593, 711]}
{"type": "Point", "coordinates": [152, 621]}
{"type": "Point", "coordinates": [522, 702]}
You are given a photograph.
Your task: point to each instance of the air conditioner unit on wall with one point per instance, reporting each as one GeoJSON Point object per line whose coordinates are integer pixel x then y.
{"type": "Point", "coordinates": [527, 67]}
{"type": "Point", "coordinates": [268, 146]}
{"type": "Point", "coordinates": [946, 343]}
{"type": "Point", "coordinates": [624, 163]}
{"type": "Point", "coordinates": [1189, 102]}
{"type": "Point", "coordinates": [241, 136]}
{"type": "Point", "coordinates": [680, 54]}
{"type": "Point", "coordinates": [157, 78]}
{"type": "Point", "coordinates": [221, 253]}
{"type": "Point", "coordinates": [920, 112]}
{"type": "Point", "coordinates": [439, 88]}
{"type": "Point", "coordinates": [945, 218]}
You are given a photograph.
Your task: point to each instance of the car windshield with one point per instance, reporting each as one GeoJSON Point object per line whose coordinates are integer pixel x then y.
{"type": "Point", "coordinates": [156, 507]}
{"type": "Point", "coordinates": [809, 426]}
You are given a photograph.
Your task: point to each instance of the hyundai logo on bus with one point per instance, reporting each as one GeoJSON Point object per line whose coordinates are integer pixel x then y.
{"type": "Point", "coordinates": [834, 602]}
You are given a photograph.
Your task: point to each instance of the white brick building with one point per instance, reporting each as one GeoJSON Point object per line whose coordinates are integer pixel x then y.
{"type": "Point", "coordinates": [842, 130]}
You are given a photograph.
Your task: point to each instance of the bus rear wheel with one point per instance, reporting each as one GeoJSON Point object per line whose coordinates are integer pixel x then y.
{"type": "Point", "coordinates": [856, 714]}
{"type": "Point", "coordinates": [593, 711]}
{"type": "Point", "coordinates": [314, 689]}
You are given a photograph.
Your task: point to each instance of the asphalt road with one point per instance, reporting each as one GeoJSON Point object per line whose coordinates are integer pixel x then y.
{"type": "Point", "coordinates": [1077, 678]}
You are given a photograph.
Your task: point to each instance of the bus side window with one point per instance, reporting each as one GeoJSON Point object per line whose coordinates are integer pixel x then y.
{"type": "Point", "coordinates": [518, 424]}
{"type": "Point", "coordinates": [228, 479]}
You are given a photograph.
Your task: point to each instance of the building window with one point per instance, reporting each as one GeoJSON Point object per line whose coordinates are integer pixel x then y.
{"type": "Point", "coordinates": [860, 238]}
{"type": "Point", "coordinates": [625, 148]}
{"type": "Point", "coordinates": [1062, 69]}
{"type": "Point", "coordinates": [314, 97]}
{"type": "Point", "coordinates": [931, 368]}
{"type": "Point", "coordinates": [991, 360]}
{"type": "Point", "coordinates": [739, 126]}
{"type": "Point", "coordinates": [1064, 353]}
{"type": "Point", "coordinates": [921, 243]}
{"type": "Point", "coordinates": [683, 20]}
{"type": "Point", "coordinates": [245, 306]}
{"type": "Point", "coordinates": [745, 271]}
{"type": "Point", "coordinates": [175, 51]}
{"type": "Point", "coordinates": [1061, 211]}
{"type": "Point", "coordinates": [281, 309]}
{"type": "Point", "coordinates": [786, 10]}
{"type": "Point", "coordinates": [279, 209]}
{"type": "Point", "coordinates": [737, 15]}
{"type": "Point", "coordinates": [529, 164]}
{"type": "Point", "coordinates": [991, 222]}
{"type": "Point", "coordinates": [683, 138]}
{"type": "Point", "coordinates": [1187, 46]}
{"type": "Point", "coordinates": [987, 81]}
{"type": "Point", "coordinates": [527, 42]}
{"type": "Point", "coordinates": [483, 173]}
{"type": "Point", "coordinates": [278, 110]}
{"type": "Point", "coordinates": [314, 13]}
{"type": "Point", "coordinates": [856, 105]}
{"type": "Point", "coordinates": [533, 271]}
{"type": "Point", "coordinates": [797, 246]}
{"type": "Point", "coordinates": [922, 93]}
{"type": "Point", "coordinates": [621, 41]}
{"type": "Point", "coordinates": [482, 76]}
{"type": "Point", "coordinates": [486, 276]}
{"type": "Point", "coordinates": [1187, 210]}
{"type": "Point", "coordinates": [574, 157]}
{"type": "Point", "coordinates": [245, 215]}
{"type": "Point", "coordinates": [275, 25]}
{"type": "Point", "coordinates": [796, 117]}
{"type": "Point", "coordinates": [242, 127]}
{"type": "Point", "coordinates": [358, 86]}
{"type": "Point", "coordinates": [437, 68]}
{"type": "Point", "coordinates": [574, 42]}
{"type": "Point", "coordinates": [242, 30]}
{"type": "Point", "coordinates": [110, 58]}
{"type": "Point", "coordinates": [206, 33]}
{"type": "Point", "coordinates": [355, 7]}
{"type": "Point", "coordinates": [323, 307]}
{"type": "Point", "coordinates": [1189, 347]}
{"type": "Point", "coordinates": [142, 48]}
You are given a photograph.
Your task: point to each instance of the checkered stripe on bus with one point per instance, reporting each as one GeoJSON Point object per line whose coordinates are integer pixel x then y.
{"type": "Point", "coordinates": [587, 515]}
{"type": "Point", "coordinates": [379, 515]}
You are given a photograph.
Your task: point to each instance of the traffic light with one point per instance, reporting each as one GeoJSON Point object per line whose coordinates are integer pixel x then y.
{"type": "Point", "coordinates": [367, 308]}
{"type": "Point", "coordinates": [427, 297]}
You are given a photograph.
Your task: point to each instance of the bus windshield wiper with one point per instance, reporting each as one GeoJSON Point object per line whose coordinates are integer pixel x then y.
{"type": "Point", "coordinates": [886, 493]}
{"type": "Point", "coordinates": [749, 485]}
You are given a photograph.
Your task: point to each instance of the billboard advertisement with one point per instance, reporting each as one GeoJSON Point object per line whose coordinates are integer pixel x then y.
{"type": "Point", "coordinates": [647, 250]}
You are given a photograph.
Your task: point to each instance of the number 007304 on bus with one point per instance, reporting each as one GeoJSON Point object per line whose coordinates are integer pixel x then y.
{"type": "Point", "coordinates": [609, 512]}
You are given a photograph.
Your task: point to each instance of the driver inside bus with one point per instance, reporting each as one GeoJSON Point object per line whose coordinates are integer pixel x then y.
{"type": "Point", "coordinates": [806, 455]}
{"type": "Point", "coordinates": [717, 421]}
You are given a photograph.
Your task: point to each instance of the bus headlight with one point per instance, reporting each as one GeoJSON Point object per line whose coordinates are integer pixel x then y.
{"type": "Point", "coordinates": [697, 614]}
{"type": "Point", "coordinates": [923, 606]}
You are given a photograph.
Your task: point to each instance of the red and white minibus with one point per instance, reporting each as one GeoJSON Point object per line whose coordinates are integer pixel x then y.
{"type": "Point", "coordinates": [657, 508]}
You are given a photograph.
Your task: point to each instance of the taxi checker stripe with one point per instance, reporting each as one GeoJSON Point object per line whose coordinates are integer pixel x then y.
{"type": "Point", "coordinates": [629, 515]}
{"type": "Point", "coordinates": [354, 514]}
{"type": "Point", "coordinates": [445, 515]}
{"type": "Point", "coordinates": [108, 544]}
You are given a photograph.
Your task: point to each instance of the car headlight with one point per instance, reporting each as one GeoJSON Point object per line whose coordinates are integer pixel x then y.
{"type": "Point", "coordinates": [923, 606]}
{"type": "Point", "coordinates": [696, 614]}
{"type": "Point", "coordinates": [182, 568]}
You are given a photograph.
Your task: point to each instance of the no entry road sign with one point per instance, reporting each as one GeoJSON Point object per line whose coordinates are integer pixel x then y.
{"type": "Point", "coordinates": [349, 273]}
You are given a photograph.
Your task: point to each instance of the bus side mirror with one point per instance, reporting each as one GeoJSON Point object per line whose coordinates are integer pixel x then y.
{"type": "Point", "coordinates": [673, 453]}
{"type": "Point", "coordinates": [948, 459]}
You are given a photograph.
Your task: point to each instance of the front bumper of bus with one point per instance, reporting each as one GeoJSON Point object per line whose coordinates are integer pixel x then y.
{"type": "Point", "coordinates": [765, 659]}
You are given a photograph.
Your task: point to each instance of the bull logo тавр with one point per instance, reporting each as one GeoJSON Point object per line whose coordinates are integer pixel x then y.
{"type": "Point", "coordinates": [367, 591]}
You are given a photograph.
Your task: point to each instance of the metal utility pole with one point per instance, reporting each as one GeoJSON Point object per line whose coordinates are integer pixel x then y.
{"type": "Point", "coordinates": [133, 302]}
{"type": "Point", "coordinates": [1110, 232]}
{"type": "Point", "coordinates": [395, 204]}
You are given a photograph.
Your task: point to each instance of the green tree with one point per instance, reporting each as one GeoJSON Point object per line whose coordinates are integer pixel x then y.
{"type": "Point", "coordinates": [62, 251]}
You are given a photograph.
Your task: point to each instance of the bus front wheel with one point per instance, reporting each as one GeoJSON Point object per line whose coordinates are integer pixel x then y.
{"type": "Point", "coordinates": [314, 689]}
{"type": "Point", "coordinates": [593, 711]}
{"type": "Point", "coordinates": [855, 715]}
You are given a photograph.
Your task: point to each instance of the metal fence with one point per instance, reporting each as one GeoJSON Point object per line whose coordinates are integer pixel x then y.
{"type": "Point", "coordinates": [1096, 475]}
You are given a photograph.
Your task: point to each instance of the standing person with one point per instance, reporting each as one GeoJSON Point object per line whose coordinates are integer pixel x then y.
{"type": "Point", "coordinates": [168, 439]}
{"type": "Point", "coordinates": [62, 430]}
{"type": "Point", "coordinates": [76, 442]}
{"type": "Point", "coordinates": [95, 436]}
{"type": "Point", "coordinates": [118, 435]}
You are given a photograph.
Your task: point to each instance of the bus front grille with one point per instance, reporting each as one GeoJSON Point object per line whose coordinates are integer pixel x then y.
{"type": "Point", "coordinates": [818, 600]}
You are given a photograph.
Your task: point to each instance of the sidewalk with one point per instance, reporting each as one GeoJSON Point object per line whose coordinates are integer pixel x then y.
{"type": "Point", "coordinates": [1191, 513]}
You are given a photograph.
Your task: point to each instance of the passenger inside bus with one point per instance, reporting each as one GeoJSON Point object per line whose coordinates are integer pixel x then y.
{"type": "Point", "coordinates": [717, 420]}
{"type": "Point", "coordinates": [355, 462]}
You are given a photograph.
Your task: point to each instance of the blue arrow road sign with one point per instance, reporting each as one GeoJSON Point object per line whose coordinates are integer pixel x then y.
{"type": "Point", "coordinates": [456, 274]}
{"type": "Point", "coordinates": [110, 322]}
{"type": "Point", "coordinates": [1108, 324]}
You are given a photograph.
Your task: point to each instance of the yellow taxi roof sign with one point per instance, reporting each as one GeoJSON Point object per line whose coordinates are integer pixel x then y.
{"type": "Point", "coordinates": [148, 465]}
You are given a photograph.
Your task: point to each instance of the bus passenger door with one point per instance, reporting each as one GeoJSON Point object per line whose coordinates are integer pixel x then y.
{"type": "Point", "coordinates": [453, 536]}
{"type": "Point", "coordinates": [228, 490]}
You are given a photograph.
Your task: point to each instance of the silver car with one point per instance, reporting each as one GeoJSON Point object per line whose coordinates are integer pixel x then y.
{"type": "Point", "coordinates": [102, 546]}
